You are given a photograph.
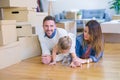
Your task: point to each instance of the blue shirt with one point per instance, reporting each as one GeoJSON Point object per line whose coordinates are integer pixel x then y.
{"type": "Point", "coordinates": [80, 50]}
{"type": "Point", "coordinates": [53, 34]}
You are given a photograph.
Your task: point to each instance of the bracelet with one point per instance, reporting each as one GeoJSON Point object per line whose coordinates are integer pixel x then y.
{"type": "Point", "coordinates": [88, 61]}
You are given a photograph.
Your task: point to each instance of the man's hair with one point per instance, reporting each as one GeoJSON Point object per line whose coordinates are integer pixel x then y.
{"type": "Point", "coordinates": [64, 43]}
{"type": "Point", "coordinates": [48, 18]}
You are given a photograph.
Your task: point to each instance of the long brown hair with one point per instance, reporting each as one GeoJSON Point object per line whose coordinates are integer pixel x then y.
{"type": "Point", "coordinates": [96, 36]}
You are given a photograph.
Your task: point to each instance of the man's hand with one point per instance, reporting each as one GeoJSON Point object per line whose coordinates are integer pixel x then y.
{"type": "Point", "coordinates": [46, 59]}
{"type": "Point", "coordinates": [52, 63]}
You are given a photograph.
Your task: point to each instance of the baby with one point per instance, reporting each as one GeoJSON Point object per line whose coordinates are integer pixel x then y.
{"type": "Point", "coordinates": [61, 52]}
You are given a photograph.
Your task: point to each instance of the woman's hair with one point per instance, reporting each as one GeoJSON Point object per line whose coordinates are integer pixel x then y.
{"type": "Point", "coordinates": [48, 18]}
{"type": "Point", "coordinates": [64, 43]}
{"type": "Point", "coordinates": [96, 37]}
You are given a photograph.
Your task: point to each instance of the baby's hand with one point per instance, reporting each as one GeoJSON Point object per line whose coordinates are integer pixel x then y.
{"type": "Point", "coordinates": [72, 65]}
{"type": "Point", "coordinates": [52, 63]}
{"type": "Point", "coordinates": [76, 62]}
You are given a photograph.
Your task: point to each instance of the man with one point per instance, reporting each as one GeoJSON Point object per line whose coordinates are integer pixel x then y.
{"type": "Point", "coordinates": [50, 38]}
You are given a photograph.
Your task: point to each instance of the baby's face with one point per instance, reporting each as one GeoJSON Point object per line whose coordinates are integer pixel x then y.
{"type": "Point", "coordinates": [64, 51]}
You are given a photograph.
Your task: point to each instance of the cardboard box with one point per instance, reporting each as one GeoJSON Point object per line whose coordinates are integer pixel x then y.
{"type": "Point", "coordinates": [71, 15]}
{"type": "Point", "coordinates": [70, 26]}
{"type": "Point", "coordinates": [7, 32]}
{"type": "Point", "coordinates": [24, 29]}
{"type": "Point", "coordinates": [38, 23]}
{"type": "Point", "coordinates": [39, 18]}
{"type": "Point", "coordinates": [112, 37]}
{"type": "Point", "coordinates": [116, 17]}
{"type": "Point", "coordinates": [30, 46]}
{"type": "Point", "coordinates": [9, 54]}
{"type": "Point", "coordinates": [18, 3]}
{"type": "Point", "coordinates": [19, 14]}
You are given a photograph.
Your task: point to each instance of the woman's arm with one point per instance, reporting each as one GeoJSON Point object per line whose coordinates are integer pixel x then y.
{"type": "Point", "coordinates": [96, 58]}
{"type": "Point", "coordinates": [85, 60]}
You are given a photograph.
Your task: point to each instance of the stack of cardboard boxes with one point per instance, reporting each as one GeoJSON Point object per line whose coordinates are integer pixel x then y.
{"type": "Point", "coordinates": [7, 32]}
{"type": "Point", "coordinates": [19, 10]}
{"type": "Point", "coordinates": [17, 41]}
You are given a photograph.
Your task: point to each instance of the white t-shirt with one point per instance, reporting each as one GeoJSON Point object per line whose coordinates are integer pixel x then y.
{"type": "Point", "coordinates": [47, 44]}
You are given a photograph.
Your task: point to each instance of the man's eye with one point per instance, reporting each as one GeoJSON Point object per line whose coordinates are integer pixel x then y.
{"type": "Point", "coordinates": [85, 31]}
{"type": "Point", "coordinates": [51, 25]}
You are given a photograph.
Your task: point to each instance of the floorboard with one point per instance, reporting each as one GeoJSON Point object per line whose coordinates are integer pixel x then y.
{"type": "Point", "coordinates": [108, 68]}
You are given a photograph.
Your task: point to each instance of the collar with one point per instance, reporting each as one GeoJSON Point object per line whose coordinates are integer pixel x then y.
{"type": "Point", "coordinates": [53, 34]}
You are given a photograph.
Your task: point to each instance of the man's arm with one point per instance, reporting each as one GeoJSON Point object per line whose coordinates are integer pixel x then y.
{"type": "Point", "coordinates": [45, 50]}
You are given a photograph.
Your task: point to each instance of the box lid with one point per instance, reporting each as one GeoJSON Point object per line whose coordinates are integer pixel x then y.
{"type": "Point", "coordinates": [20, 9]}
{"type": "Point", "coordinates": [23, 23]}
{"type": "Point", "coordinates": [10, 45]}
{"type": "Point", "coordinates": [4, 22]}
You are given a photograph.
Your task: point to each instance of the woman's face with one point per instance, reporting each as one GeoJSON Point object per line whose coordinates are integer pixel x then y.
{"type": "Point", "coordinates": [86, 33]}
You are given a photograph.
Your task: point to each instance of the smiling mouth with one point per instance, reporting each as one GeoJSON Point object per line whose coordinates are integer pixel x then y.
{"type": "Point", "coordinates": [85, 37]}
{"type": "Point", "coordinates": [48, 31]}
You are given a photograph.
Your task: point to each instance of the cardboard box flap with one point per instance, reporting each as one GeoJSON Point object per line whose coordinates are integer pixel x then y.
{"type": "Point", "coordinates": [20, 9]}
{"type": "Point", "coordinates": [18, 3]}
{"type": "Point", "coordinates": [14, 44]}
{"type": "Point", "coordinates": [23, 24]}
{"type": "Point", "coordinates": [7, 22]}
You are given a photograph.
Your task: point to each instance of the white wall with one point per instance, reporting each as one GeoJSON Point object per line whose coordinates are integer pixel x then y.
{"type": "Point", "coordinates": [60, 5]}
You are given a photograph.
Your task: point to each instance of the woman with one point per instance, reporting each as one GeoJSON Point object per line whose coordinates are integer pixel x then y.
{"type": "Point", "coordinates": [90, 44]}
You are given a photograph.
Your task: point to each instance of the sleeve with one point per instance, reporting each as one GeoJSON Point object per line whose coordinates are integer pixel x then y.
{"type": "Point", "coordinates": [62, 32]}
{"type": "Point", "coordinates": [78, 46]}
{"type": "Point", "coordinates": [96, 59]}
{"type": "Point", "coordinates": [72, 36]}
{"type": "Point", "coordinates": [45, 50]}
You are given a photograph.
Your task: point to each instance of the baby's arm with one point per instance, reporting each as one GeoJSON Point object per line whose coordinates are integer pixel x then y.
{"type": "Point", "coordinates": [72, 63]}
{"type": "Point", "coordinates": [76, 62]}
{"type": "Point", "coordinates": [54, 51]}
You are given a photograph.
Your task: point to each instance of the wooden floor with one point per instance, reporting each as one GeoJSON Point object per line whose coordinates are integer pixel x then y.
{"type": "Point", "coordinates": [32, 69]}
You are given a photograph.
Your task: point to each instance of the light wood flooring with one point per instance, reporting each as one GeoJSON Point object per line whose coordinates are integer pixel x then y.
{"type": "Point", "coordinates": [108, 68]}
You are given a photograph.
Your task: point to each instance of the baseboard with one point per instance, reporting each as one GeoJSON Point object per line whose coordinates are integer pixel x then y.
{"type": "Point", "coordinates": [112, 37]}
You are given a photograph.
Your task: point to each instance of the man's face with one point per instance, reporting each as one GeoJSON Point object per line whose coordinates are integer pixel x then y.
{"type": "Point", "coordinates": [49, 27]}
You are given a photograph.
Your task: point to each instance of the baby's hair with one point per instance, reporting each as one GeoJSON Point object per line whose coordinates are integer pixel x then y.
{"type": "Point", "coordinates": [64, 43]}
